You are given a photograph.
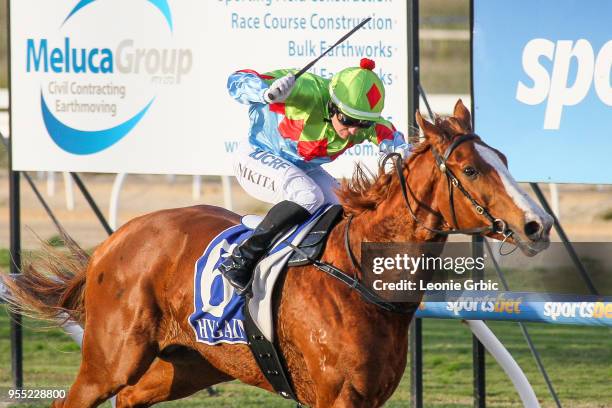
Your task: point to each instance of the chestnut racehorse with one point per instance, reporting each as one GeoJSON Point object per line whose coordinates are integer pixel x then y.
{"type": "Point", "coordinates": [134, 295]}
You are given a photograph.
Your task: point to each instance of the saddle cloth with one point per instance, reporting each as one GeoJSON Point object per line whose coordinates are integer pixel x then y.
{"type": "Point", "coordinates": [218, 311]}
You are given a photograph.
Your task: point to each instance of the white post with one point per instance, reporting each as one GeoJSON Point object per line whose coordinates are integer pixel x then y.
{"type": "Point", "coordinates": [196, 188]}
{"type": "Point", "coordinates": [50, 184]}
{"type": "Point", "coordinates": [69, 191]}
{"type": "Point", "coordinates": [228, 201]}
{"type": "Point", "coordinates": [495, 254]}
{"type": "Point", "coordinates": [505, 360]}
{"type": "Point", "coordinates": [554, 199]}
{"type": "Point", "coordinates": [113, 208]}
{"type": "Point", "coordinates": [74, 330]}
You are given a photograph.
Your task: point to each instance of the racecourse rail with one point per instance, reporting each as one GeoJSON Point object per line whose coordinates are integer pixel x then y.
{"type": "Point", "coordinates": [471, 307]}
{"type": "Point", "coordinates": [583, 310]}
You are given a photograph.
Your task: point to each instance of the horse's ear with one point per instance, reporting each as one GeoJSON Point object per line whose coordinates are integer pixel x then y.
{"type": "Point", "coordinates": [431, 131]}
{"type": "Point", "coordinates": [462, 114]}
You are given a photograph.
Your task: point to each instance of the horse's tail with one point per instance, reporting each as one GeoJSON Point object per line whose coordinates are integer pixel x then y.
{"type": "Point", "coordinates": [51, 285]}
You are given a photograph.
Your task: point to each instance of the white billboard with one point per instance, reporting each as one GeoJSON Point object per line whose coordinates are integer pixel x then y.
{"type": "Point", "coordinates": [140, 86]}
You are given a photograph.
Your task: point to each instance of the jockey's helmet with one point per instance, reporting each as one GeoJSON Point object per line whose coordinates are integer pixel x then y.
{"type": "Point", "coordinates": [358, 92]}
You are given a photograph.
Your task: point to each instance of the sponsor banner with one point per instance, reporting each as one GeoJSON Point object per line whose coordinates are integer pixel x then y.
{"type": "Point", "coordinates": [542, 89]}
{"type": "Point", "coordinates": [523, 307]}
{"type": "Point", "coordinates": [140, 86]}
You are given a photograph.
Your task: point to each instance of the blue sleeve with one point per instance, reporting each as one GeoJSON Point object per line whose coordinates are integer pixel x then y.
{"type": "Point", "coordinates": [246, 87]}
{"type": "Point", "coordinates": [396, 141]}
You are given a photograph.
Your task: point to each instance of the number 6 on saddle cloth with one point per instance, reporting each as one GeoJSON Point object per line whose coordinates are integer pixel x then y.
{"type": "Point", "coordinates": [219, 313]}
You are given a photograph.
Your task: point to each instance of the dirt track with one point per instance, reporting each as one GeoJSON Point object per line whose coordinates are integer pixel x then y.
{"type": "Point", "coordinates": [581, 206]}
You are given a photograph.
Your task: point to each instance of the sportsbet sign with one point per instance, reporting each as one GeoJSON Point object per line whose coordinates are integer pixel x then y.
{"type": "Point", "coordinates": [139, 86]}
{"type": "Point", "coordinates": [542, 87]}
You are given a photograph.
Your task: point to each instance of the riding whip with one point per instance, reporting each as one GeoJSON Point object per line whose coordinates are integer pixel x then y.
{"type": "Point", "coordinates": [340, 41]}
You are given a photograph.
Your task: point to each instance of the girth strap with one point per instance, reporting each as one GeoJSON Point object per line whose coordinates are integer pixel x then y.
{"type": "Point", "coordinates": [267, 357]}
{"type": "Point", "coordinates": [353, 282]}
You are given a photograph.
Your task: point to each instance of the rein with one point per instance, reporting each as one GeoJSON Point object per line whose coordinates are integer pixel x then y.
{"type": "Point", "coordinates": [353, 281]}
{"type": "Point", "coordinates": [496, 225]}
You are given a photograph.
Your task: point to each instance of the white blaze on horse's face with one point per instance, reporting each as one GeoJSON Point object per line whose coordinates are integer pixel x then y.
{"type": "Point", "coordinates": [537, 222]}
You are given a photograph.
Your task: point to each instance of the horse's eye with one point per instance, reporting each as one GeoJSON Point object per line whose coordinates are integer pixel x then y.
{"type": "Point", "coordinates": [470, 172]}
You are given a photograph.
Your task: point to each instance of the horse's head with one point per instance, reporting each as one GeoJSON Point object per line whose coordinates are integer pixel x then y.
{"type": "Point", "coordinates": [476, 189]}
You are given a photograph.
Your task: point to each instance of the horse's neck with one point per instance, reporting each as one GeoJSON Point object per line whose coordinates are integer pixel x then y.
{"type": "Point", "coordinates": [391, 221]}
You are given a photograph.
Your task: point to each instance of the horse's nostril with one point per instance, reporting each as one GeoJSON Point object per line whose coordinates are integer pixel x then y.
{"type": "Point", "coordinates": [533, 229]}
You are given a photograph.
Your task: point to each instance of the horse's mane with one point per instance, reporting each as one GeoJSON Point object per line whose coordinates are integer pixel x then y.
{"type": "Point", "coordinates": [365, 190]}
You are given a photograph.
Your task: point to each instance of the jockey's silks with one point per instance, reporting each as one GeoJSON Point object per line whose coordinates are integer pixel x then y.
{"type": "Point", "coordinates": [297, 129]}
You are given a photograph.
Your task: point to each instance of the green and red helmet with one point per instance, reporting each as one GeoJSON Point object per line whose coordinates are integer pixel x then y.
{"type": "Point", "coordinates": [358, 91]}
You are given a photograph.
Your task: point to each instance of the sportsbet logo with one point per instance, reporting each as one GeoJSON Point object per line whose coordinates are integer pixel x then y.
{"type": "Point", "coordinates": [587, 310]}
{"type": "Point", "coordinates": [499, 304]}
{"type": "Point", "coordinates": [557, 87]}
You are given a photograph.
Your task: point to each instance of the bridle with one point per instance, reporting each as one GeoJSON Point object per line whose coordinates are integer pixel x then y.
{"type": "Point", "coordinates": [496, 225]}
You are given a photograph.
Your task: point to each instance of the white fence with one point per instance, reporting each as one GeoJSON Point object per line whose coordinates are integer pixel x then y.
{"type": "Point", "coordinates": [440, 103]}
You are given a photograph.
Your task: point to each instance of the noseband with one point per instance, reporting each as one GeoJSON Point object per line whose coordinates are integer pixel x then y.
{"type": "Point", "coordinates": [497, 225]}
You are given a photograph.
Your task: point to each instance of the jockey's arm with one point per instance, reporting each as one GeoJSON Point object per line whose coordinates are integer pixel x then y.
{"type": "Point", "coordinates": [247, 86]}
{"type": "Point", "coordinates": [388, 139]}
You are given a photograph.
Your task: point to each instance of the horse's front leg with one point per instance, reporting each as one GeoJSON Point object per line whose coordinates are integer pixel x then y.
{"type": "Point", "coordinates": [349, 397]}
{"type": "Point", "coordinates": [343, 352]}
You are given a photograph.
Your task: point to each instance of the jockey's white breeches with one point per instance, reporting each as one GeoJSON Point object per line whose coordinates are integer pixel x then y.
{"type": "Point", "coordinates": [270, 178]}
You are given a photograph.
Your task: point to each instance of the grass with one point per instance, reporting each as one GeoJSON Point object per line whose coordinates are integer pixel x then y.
{"type": "Point", "coordinates": [607, 215]}
{"type": "Point", "coordinates": [579, 361]}
{"type": "Point", "coordinates": [5, 259]}
{"type": "Point", "coordinates": [436, 58]}
{"type": "Point", "coordinates": [444, 14]}
{"type": "Point", "coordinates": [55, 241]}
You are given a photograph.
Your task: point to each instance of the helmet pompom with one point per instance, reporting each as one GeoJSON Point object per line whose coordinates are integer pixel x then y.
{"type": "Point", "coordinates": [367, 63]}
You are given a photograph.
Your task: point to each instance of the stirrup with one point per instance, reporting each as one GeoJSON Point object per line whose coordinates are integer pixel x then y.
{"type": "Point", "coordinates": [228, 269]}
{"type": "Point", "coordinates": [242, 291]}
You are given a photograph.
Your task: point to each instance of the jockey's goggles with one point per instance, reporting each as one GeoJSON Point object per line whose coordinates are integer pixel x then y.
{"type": "Point", "coordinates": [346, 120]}
{"type": "Point", "coordinates": [352, 122]}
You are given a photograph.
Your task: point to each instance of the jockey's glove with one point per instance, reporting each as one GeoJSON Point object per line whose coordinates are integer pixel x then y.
{"type": "Point", "coordinates": [280, 89]}
{"type": "Point", "coordinates": [396, 145]}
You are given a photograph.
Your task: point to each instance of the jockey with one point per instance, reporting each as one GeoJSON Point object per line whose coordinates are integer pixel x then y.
{"type": "Point", "coordinates": [297, 125]}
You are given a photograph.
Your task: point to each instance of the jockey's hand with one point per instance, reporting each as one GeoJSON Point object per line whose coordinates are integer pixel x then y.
{"type": "Point", "coordinates": [396, 145]}
{"type": "Point", "coordinates": [280, 89]}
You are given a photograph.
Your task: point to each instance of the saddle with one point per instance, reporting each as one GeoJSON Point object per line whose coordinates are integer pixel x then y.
{"type": "Point", "coordinates": [221, 316]}
{"type": "Point", "coordinates": [313, 244]}
{"type": "Point", "coordinates": [264, 351]}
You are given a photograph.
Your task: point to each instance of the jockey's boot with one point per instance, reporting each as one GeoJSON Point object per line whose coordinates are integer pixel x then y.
{"type": "Point", "coordinates": [238, 267]}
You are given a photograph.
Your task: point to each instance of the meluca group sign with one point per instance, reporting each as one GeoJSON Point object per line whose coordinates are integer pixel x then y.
{"type": "Point", "coordinates": [542, 87]}
{"type": "Point", "coordinates": [92, 82]}
{"type": "Point", "coordinates": [140, 86]}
